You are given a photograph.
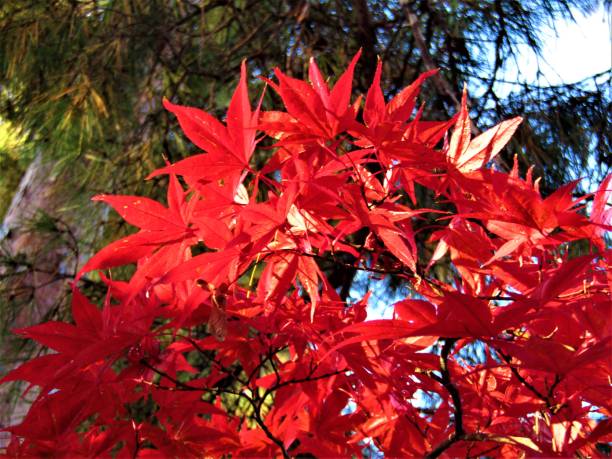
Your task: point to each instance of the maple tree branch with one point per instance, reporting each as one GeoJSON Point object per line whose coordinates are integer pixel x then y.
{"type": "Point", "coordinates": [349, 265]}
{"type": "Point", "coordinates": [184, 386]}
{"type": "Point", "coordinates": [450, 387]}
{"type": "Point", "coordinates": [277, 386]}
{"type": "Point", "coordinates": [485, 452]}
{"type": "Point", "coordinates": [445, 380]}
{"type": "Point", "coordinates": [442, 447]}
{"type": "Point", "coordinates": [522, 380]}
{"type": "Point", "coordinates": [496, 297]}
{"type": "Point", "coordinates": [274, 368]}
{"type": "Point", "coordinates": [554, 385]}
{"type": "Point", "coordinates": [260, 422]}
{"type": "Point", "coordinates": [460, 434]}
{"type": "Point", "coordinates": [309, 379]}
{"type": "Point", "coordinates": [175, 381]}
{"type": "Point", "coordinates": [256, 406]}
{"type": "Point", "coordinates": [136, 444]}
{"type": "Point", "coordinates": [548, 399]}
{"type": "Point", "coordinates": [212, 360]}
{"type": "Point", "coordinates": [269, 357]}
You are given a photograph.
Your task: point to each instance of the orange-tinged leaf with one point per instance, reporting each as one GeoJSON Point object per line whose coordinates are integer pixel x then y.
{"type": "Point", "coordinates": [487, 145]}
{"type": "Point", "coordinates": [217, 321]}
{"type": "Point", "coordinates": [460, 138]}
{"type": "Point", "coordinates": [439, 252]}
{"type": "Point", "coordinates": [308, 274]}
{"type": "Point", "coordinates": [397, 246]}
{"type": "Point", "coordinates": [431, 132]}
{"type": "Point", "coordinates": [302, 102]}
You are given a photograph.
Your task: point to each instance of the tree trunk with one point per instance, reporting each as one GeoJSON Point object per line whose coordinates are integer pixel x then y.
{"type": "Point", "coordinates": [32, 283]}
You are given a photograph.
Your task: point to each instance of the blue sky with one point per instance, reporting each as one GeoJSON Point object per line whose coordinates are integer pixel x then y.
{"type": "Point", "coordinates": [577, 50]}
{"type": "Point", "coordinates": [572, 51]}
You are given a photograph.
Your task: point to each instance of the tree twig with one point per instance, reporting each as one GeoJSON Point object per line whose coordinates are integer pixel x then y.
{"type": "Point", "coordinates": [446, 381]}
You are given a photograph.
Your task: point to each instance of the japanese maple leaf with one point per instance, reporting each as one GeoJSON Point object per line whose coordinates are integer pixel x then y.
{"type": "Point", "coordinates": [450, 314]}
{"type": "Point", "coordinates": [96, 335]}
{"type": "Point", "coordinates": [390, 224]}
{"type": "Point", "coordinates": [601, 215]}
{"type": "Point", "coordinates": [229, 148]}
{"type": "Point", "coordinates": [159, 225]}
{"type": "Point", "coordinates": [51, 422]}
{"type": "Point", "coordinates": [568, 278]}
{"type": "Point", "coordinates": [385, 129]}
{"type": "Point", "coordinates": [399, 109]}
{"type": "Point", "coordinates": [313, 110]}
{"type": "Point", "coordinates": [189, 438]}
{"type": "Point", "coordinates": [466, 154]}
{"type": "Point", "coordinates": [459, 314]}
{"type": "Point", "coordinates": [258, 224]}
{"type": "Point", "coordinates": [603, 199]}
{"type": "Point", "coordinates": [62, 440]}
{"type": "Point", "coordinates": [469, 247]}
{"type": "Point", "coordinates": [514, 210]}
{"type": "Point", "coordinates": [555, 357]}
{"type": "Point", "coordinates": [384, 122]}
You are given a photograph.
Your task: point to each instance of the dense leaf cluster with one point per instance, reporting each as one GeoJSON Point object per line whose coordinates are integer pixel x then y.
{"type": "Point", "coordinates": [83, 82]}
{"type": "Point", "coordinates": [229, 340]}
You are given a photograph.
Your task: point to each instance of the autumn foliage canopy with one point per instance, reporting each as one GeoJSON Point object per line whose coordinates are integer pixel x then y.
{"type": "Point", "coordinates": [230, 340]}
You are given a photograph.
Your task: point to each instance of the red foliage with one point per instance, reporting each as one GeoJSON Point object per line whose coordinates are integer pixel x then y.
{"type": "Point", "coordinates": [229, 339]}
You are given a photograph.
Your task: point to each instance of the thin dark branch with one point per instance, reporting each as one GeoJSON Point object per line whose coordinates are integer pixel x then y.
{"type": "Point", "coordinates": [446, 381]}
{"type": "Point", "coordinates": [309, 379]}
{"type": "Point", "coordinates": [260, 422]}
{"type": "Point", "coordinates": [548, 399]}
{"type": "Point", "coordinates": [523, 381]}
{"type": "Point", "coordinates": [175, 381]}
